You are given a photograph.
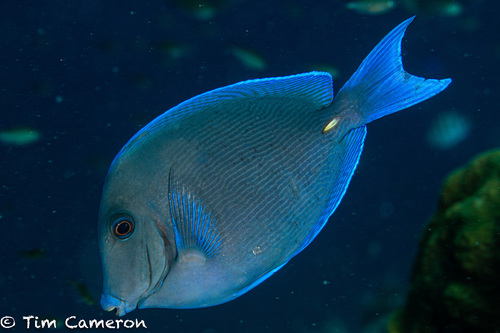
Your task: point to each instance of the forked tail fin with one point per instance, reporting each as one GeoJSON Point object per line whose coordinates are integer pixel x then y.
{"type": "Point", "coordinates": [381, 86]}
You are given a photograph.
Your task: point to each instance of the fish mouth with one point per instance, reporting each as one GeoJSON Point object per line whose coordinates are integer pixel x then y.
{"type": "Point", "coordinates": [121, 307]}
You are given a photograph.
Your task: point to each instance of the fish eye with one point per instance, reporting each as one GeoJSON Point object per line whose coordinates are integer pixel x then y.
{"type": "Point", "coordinates": [123, 227]}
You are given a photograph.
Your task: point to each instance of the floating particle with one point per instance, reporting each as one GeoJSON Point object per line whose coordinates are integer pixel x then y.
{"type": "Point", "coordinates": [203, 10]}
{"type": "Point", "coordinates": [371, 6]}
{"type": "Point", "coordinates": [434, 7]}
{"type": "Point", "coordinates": [83, 291]}
{"type": "Point", "coordinates": [447, 130]}
{"type": "Point", "coordinates": [19, 136]}
{"type": "Point", "coordinates": [334, 71]}
{"type": "Point", "coordinates": [249, 58]}
{"type": "Point", "coordinates": [32, 254]}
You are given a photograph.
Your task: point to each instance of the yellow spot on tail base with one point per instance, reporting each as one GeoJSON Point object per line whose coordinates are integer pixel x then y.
{"type": "Point", "coordinates": [331, 125]}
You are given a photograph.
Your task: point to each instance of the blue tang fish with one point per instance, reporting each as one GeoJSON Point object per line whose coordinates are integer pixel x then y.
{"type": "Point", "coordinates": [218, 193]}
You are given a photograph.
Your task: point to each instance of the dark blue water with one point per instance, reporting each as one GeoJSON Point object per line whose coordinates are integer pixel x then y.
{"type": "Point", "coordinates": [87, 75]}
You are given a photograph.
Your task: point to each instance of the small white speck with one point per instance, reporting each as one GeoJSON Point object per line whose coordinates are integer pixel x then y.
{"type": "Point", "coordinates": [257, 250]}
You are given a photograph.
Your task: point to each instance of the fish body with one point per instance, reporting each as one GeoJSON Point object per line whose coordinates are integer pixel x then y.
{"type": "Point", "coordinates": [218, 193]}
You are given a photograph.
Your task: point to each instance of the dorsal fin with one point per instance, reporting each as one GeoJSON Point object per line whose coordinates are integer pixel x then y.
{"type": "Point", "coordinates": [313, 87]}
{"type": "Point", "coordinates": [194, 225]}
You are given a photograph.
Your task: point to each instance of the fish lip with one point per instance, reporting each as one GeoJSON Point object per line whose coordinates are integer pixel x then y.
{"type": "Point", "coordinates": [110, 303]}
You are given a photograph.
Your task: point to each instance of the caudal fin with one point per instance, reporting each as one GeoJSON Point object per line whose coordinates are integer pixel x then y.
{"type": "Point", "coordinates": [381, 86]}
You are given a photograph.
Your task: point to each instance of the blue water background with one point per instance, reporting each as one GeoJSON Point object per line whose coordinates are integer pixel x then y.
{"type": "Point", "coordinates": [87, 75]}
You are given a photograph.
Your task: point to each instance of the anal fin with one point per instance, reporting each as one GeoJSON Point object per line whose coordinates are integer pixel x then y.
{"type": "Point", "coordinates": [351, 147]}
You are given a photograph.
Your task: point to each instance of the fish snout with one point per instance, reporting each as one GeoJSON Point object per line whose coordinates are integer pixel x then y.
{"type": "Point", "coordinates": [110, 303]}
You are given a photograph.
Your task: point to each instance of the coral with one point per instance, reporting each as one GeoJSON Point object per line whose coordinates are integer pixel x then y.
{"type": "Point", "coordinates": [455, 283]}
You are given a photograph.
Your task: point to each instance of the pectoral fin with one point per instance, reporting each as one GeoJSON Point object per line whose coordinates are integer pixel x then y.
{"type": "Point", "coordinates": [195, 227]}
